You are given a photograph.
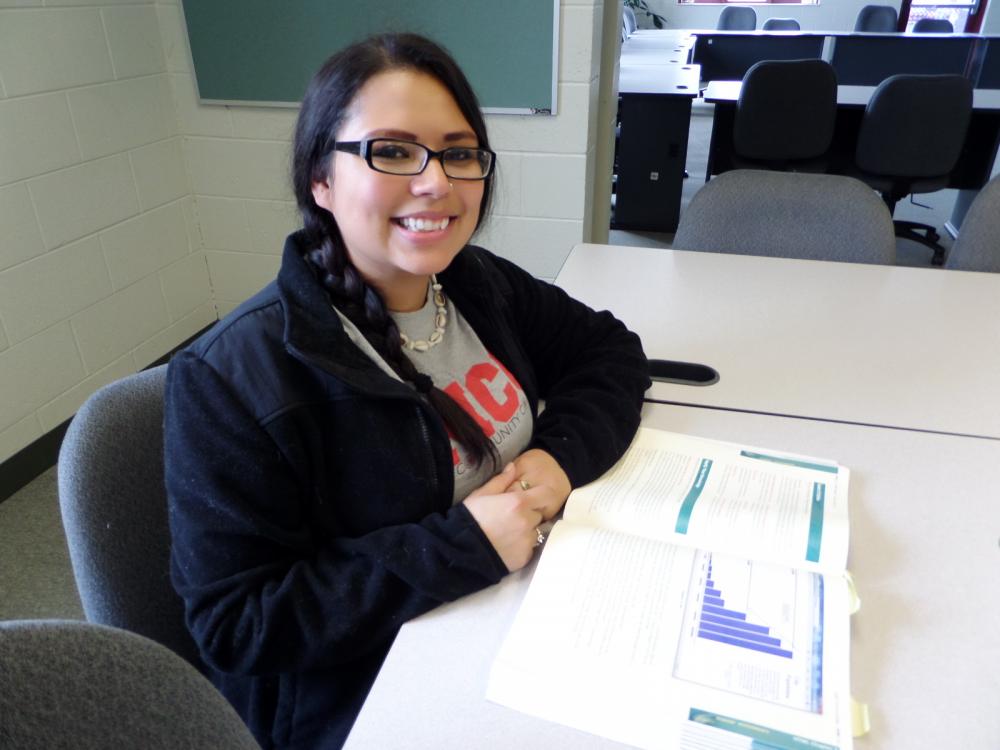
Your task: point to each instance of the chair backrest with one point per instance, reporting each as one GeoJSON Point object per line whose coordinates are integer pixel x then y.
{"type": "Point", "coordinates": [977, 247]}
{"type": "Point", "coordinates": [114, 510]}
{"type": "Point", "coordinates": [90, 687]}
{"type": "Point", "coordinates": [787, 110]}
{"type": "Point", "coordinates": [933, 26]}
{"type": "Point", "coordinates": [628, 16]}
{"type": "Point", "coordinates": [737, 18]}
{"type": "Point", "coordinates": [914, 126]}
{"type": "Point", "coordinates": [877, 18]}
{"type": "Point", "coordinates": [780, 24]}
{"type": "Point", "coordinates": [788, 215]}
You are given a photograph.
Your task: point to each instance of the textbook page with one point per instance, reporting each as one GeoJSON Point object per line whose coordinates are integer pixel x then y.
{"type": "Point", "coordinates": [710, 494]}
{"type": "Point", "coordinates": [661, 646]}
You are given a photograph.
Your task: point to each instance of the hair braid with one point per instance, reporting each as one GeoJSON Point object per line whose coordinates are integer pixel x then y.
{"type": "Point", "coordinates": [363, 306]}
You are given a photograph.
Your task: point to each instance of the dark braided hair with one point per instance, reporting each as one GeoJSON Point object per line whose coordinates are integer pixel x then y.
{"type": "Point", "coordinates": [324, 108]}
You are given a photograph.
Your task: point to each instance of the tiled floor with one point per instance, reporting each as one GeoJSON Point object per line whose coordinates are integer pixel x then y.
{"type": "Point", "coordinates": [36, 581]}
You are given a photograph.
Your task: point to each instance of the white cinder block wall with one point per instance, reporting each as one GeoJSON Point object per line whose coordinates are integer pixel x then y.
{"type": "Point", "coordinates": [131, 213]}
{"type": "Point", "coordinates": [101, 271]}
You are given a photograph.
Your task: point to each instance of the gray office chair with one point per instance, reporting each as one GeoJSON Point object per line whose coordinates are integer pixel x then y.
{"type": "Point", "coordinates": [877, 19]}
{"type": "Point", "coordinates": [977, 247]}
{"type": "Point", "coordinates": [66, 684]}
{"type": "Point", "coordinates": [785, 115]}
{"type": "Point", "coordinates": [780, 24]}
{"type": "Point", "coordinates": [737, 18]}
{"type": "Point", "coordinates": [788, 215]}
{"type": "Point", "coordinates": [909, 141]}
{"type": "Point", "coordinates": [933, 26]}
{"type": "Point", "coordinates": [114, 510]}
{"type": "Point", "coordinates": [628, 18]}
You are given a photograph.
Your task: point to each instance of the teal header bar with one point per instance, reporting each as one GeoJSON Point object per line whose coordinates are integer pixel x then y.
{"type": "Point", "coordinates": [791, 462]}
{"type": "Point", "coordinates": [816, 522]}
{"type": "Point", "coordinates": [762, 738]}
{"type": "Point", "coordinates": [687, 507]}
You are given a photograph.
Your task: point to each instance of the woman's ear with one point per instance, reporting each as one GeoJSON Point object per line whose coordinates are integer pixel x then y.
{"type": "Point", "coordinates": [322, 195]}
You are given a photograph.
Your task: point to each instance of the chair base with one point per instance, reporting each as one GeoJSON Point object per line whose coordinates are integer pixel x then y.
{"type": "Point", "coordinates": [924, 234]}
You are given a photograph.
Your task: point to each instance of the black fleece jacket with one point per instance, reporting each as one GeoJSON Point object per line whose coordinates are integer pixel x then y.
{"type": "Point", "coordinates": [310, 495]}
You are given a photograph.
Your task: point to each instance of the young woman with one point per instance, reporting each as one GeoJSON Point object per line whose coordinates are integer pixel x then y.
{"type": "Point", "coordinates": [361, 440]}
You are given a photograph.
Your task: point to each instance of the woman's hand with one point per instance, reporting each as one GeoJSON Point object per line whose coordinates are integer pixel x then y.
{"type": "Point", "coordinates": [537, 468]}
{"type": "Point", "coordinates": [509, 515]}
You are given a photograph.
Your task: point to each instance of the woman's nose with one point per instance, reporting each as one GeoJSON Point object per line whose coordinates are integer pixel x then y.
{"type": "Point", "coordinates": [432, 181]}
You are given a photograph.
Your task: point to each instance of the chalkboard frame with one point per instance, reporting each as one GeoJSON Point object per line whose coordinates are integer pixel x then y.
{"type": "Point", "coordinates": [225, 52]}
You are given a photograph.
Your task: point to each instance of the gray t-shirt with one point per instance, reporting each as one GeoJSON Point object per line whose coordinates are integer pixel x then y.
{"type": "Point", "coordinates": [462, 367]}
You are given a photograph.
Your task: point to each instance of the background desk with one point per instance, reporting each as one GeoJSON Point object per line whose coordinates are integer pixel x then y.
{"type": "Point", "coordinates": [905, 347]}
{"type": "Point", "coordinates": [654, 115]}
{"type": "Point", "coordinates": [924, 525]}
{"type": "Point", "coordinates": [975, 164]}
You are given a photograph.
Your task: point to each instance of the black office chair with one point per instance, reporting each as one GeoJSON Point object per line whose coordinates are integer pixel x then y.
{"type": "Point", "coordinates": [910, 139]}
{"type": "Point", "coordinates": [787, 215]}
{"type": "Point", "coordinates": [933, 26]}
{"type": "Point", "coordinates": [780, 24]}
{"type": "Point", "coordinates": [877, 19]}
{"type": "Point", "coordinates": [737, 18]}
{"type": "Point", "coordinates": [114, 509]}
{"type": "Point", "coordinates": [977, 247]}
{"type": "Point", "coordinates": [785, 116]}
{"type": "Point", "coordinates": [71, 684]}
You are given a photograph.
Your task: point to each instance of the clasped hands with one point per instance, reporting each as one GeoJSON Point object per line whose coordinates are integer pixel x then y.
{"type": "Point", "coordinates": [509, 514]}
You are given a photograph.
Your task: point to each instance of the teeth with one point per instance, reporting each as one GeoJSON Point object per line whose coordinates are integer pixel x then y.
{"type": "Point", "coordinates": [424, 225]}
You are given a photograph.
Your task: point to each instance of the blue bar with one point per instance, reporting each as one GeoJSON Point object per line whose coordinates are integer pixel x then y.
{"type": "Point", "coordinates": [723, 612]}
{"type": "Point", "coordinates": [742, 624]}
{"type": "Point", "coordinates": [712, 591]}
{"type": "Point", "coordinates": [714, 601]}
{"type": "Point", "coordinates": [745, 644]}
{"type": "Point", "coordinates": [738, 632]}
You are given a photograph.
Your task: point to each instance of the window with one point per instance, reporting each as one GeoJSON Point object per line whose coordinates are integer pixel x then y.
{"type": "Point", "coordinates": [956, 11]}
{"type": "Point", "coordinates": [748, 2]}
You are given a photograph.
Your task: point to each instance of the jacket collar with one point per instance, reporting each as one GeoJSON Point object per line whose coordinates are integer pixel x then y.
{"type": "Point", "coordinates": [313, 330]}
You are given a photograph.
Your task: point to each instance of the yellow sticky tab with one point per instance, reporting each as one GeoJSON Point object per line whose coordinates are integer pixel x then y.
{"type": "Point", "coordinates": [852, 592]}
{"type": "Point", "coordinates": [860, 721]}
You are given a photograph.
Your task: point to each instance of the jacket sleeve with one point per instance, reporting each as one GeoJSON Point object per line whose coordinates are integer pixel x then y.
{"type": "Point", "coordinates": [591, 372]}
{"type": "Point", "coordinates": [262, 595]}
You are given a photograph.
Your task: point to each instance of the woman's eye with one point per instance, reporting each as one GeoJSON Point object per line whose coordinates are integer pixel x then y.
{"type": "Point", "coordinates": [460, 154]}
{"type": "Point", "coordinates": [392, 151]}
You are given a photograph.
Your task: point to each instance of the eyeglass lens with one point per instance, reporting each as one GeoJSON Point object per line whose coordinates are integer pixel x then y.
{"type": "Point", "coordinates": [403, 157]}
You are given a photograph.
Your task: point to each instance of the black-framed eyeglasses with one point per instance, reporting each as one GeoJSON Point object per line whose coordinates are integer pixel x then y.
{"type": "Point", "coordinates": [393, 156]}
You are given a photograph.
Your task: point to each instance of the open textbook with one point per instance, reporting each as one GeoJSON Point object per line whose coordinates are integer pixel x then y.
{"type": "Point", "coordinates": [693, 597]}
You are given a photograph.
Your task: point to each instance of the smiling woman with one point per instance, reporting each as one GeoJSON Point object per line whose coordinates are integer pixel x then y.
{"type": "Point", "coordinates": [360, 441]}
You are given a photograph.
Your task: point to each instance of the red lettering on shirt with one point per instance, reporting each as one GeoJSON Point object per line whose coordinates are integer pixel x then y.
{"type": "Point", "coordinates": [477, 378]}
{"type": "Point", "coordinates": [454, 390]}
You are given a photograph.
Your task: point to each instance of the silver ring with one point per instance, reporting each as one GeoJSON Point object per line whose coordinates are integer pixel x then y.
{"type": "Point", "coordinates": [525, 484]}
{"type": "Point", "coordinates": [539, 537]}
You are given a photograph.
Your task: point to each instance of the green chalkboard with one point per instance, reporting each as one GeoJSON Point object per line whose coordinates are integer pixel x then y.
{"type": "Point", "coordinates": [264, 51]}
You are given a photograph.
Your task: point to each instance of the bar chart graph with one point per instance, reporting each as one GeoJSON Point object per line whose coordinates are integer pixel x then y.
{"type": "Point", "coordinates": [730, 626]}
{"type": "Point", "coordinates": [753, 629]}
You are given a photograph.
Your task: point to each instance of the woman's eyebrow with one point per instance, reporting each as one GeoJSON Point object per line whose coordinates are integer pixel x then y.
{"type": "Point", "coordinates": [405, 135]}
{"type": "Point", "coordinates": [461, 135]}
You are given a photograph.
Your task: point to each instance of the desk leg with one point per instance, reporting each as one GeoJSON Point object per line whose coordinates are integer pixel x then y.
{"type": "Point", "coordinates": [652, 151]}
{"type": "Point", "coordinates": [720, 147]}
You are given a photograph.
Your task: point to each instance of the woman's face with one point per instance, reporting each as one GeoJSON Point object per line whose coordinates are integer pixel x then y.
{"type": "Point", "coordinates": [375, 211]}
